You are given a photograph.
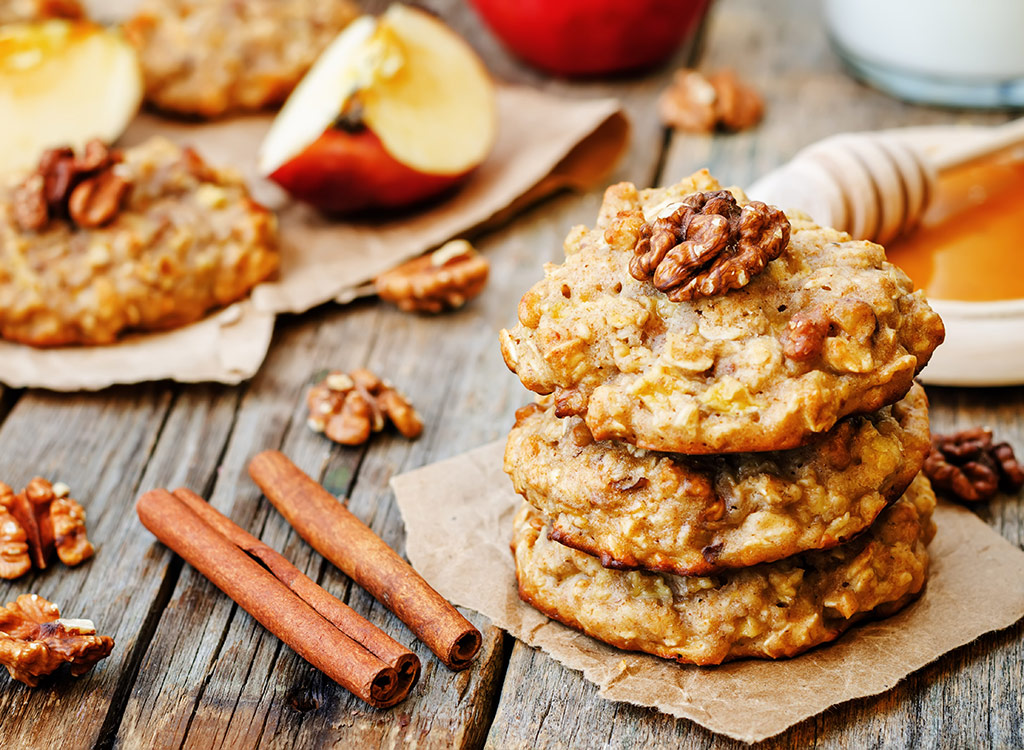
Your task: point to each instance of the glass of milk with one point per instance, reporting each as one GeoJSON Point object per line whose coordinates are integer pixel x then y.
{"type": "Point", "coordinates": [967, 53]}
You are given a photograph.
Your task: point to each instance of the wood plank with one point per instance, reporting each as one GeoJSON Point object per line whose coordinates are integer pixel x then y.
{"type": "Point", "coordinates": [61, 438]}
{"type": "Point", "coordinates": [101, 445]}
{"type": "Point", "coordinates": [220, 680]}
{"type": "Point", "coordinates": [235, 686]}
{"type": "Point", "coordinates": [188, 644]}
{"type": "Point", "coordinates": [545, 705]}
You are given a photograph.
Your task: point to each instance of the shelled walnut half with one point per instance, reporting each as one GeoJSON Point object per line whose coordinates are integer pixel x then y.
{"type": "Point", "coordinates": [35, 642]}
{"type": "Point", "coordinates": [36, 523]}
{"type": "Point", "coordinates": [14, 558]}
{"type": "Point", "coordinates": [442, 280]}
{"type": "Point", "coordinates": [86, 189]}
{"type": "Point", "coordinates": [698, 103]}
{"type": "Point", "coordinates": [708, 244]}
{"type": "Point", "coordinates": [347, 407]}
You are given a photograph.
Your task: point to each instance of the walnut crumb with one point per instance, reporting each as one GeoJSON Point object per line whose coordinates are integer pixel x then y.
{"type": "Point", "coordinates": [37, 522]}
{"type": "Point", "coordinates": [442, 280]}
{"type": "Point", "coordinates": [698, 103]}
{"type": "Point", "coordinates": [708, 245]}
{"type": "Point", "coordinates": [349, 407]}
{"type": "Point", "coordinates": [35, 642]}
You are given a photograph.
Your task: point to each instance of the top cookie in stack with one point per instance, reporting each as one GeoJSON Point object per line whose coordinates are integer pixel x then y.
{"type": "Point", "coordinates": [689, 363]}
{"type": "Point", "coordinates": [724, 461]}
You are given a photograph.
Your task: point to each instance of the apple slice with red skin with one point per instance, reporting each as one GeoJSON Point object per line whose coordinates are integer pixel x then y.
{"type": "Point", "coordinates": [419, 109]}
{"type": "Point", "coordinates": [345, 172]}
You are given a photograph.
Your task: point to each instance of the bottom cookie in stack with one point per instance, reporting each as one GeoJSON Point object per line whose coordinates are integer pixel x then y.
{"type": "Point", "coordinates": [769, 610]}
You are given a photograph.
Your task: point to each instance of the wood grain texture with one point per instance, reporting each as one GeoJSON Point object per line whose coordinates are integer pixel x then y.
{"type": "Point", "coordinates": [785, 54]}
{"type": "Point", "coordinates": [192, 670]}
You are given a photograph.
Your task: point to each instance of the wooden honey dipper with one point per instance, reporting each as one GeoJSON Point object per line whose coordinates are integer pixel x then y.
{"type": "Point", "coordinates": [875, 186]}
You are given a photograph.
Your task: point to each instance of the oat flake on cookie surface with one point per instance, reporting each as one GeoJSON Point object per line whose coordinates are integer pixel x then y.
{"type": "Point", "coordinates": [827, 329]}
{"type": "Point", "coordinates": [770, 611]}
{"type": "Point", "coordinates": [694, 515]}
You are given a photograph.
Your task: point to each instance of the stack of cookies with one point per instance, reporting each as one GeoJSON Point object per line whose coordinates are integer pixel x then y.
{"type": "Point", "coordinates": [725, 458]}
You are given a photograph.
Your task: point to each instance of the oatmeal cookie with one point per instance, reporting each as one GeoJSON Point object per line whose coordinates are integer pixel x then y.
{"type": "Point", "coordinates": [773, 610]}
{"type": "Point", "coordinates": [695, 515]}
{"type": "Point", "coordinates": [185, 238]}
{"type": "Point", "coordinates": [209, 57]}
{"type": "Point", "coordinates": [827, 329]}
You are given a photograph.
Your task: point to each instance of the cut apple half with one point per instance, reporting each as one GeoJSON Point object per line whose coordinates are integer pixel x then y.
{"type": "Point", "coordinates": [63, 83]}
{"type": "Point", "coordinates": [397, 109]}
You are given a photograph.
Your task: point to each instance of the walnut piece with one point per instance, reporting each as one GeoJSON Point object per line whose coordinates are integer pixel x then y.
{"type": "Point", "coordinates": [442, 280]}
{"type": "Point", "coordinates": [84, 189]}
{"type": "Point", "coordinates": [969, 468]}
{"type": "Point", "coordinates": [348, 407]}
{"type": "Point", "coordinates": [97, 200]}
{"type": "Point", "coordinates": [698, 103]}
{"type": "Point", "coordinates": [708, 245]}
{"type": "Point", "coordinates": [14, 557]}
{"type": "Point", "coordinates": [35, 523]}
{"type": "Point", "coordinates": [35, 642]}
{"type": "Point", "coordinates": [805, 334]}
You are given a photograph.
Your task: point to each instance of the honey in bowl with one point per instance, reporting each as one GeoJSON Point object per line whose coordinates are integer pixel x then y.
{"type": "Point", "coordinates": [968, 246]}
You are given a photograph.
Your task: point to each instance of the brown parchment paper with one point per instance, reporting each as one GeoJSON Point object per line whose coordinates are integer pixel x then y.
{"type": "Point", "coordinates": [226, 347]}
{"type": "Point", "coordinates": [545, 143]}
{"type": "Point", "coordinates": [458, 515]}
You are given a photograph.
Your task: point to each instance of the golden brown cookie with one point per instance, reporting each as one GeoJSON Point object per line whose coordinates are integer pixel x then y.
{"type": "Point", "coordinates": [209, 57]}
{"type": "Point", "coordinates": [773, 610]}
{"type": "Point", "coordinates": [150, 243]}
{"type": "Point", "coordinates": [827, 329]}
{"type": "Point", "coordinates": [695, 515]}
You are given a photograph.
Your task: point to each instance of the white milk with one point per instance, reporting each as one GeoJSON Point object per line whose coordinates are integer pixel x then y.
{"type": "Point", "coordinates": [948, 51]}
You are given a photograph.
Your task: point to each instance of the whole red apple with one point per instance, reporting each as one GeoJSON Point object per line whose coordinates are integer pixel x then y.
{"type": "Point", "coordinates": [592, 37]}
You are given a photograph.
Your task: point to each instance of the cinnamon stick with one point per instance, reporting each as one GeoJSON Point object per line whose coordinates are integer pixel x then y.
{"type": "Point", "coordinates": [343, 617]}
{"type": "Point", "coordinates": [269, 601]}
{"type": "Point", "coordinates": [351, 545]}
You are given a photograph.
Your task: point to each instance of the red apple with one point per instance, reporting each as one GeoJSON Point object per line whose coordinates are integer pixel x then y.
{"type": "Point", "coordinates": [418, 109]}
{"type": "Point", "coordinates": [63, 83]}
{"type": "Point", "coordinates": [592, 37]}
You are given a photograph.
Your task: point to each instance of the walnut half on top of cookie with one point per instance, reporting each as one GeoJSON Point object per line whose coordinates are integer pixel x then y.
{"type": "Point", "coordinates": [695, 321]}
{"type": "Point", "coordinates": [99, 243]}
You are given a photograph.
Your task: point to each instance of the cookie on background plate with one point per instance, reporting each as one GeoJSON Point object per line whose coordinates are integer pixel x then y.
{"type": "Point", "coordinates": [206, 58]}
{"type": "Point", "coordinates": [99, 243]}
{"type": "Point", "coordinates": [694, 515]}
{"type": "Point", "coordinates": [755, 357]}
{"type": "Point", "coordinates": [771, 611]}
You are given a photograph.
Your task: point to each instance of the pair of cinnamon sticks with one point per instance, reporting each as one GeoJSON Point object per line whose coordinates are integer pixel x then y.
{"type": "Point", "coordinates": [321, 629]}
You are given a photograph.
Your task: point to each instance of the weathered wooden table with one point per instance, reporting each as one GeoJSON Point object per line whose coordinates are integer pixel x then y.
{"type": "Point", "coordinates": [192, 670]}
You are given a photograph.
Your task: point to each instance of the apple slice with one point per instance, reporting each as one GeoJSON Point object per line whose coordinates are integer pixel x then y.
{"type": "Point", "coordinates": [396, 110]}
{"type": "Point", "coordinates": [63, 83]}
